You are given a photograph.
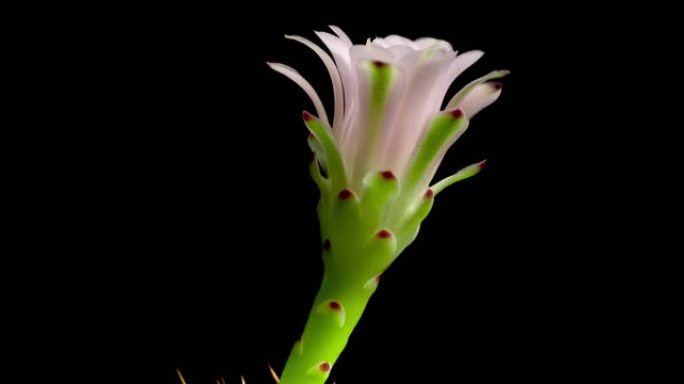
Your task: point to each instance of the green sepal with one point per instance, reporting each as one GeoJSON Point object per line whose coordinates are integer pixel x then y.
{"type": "Point", "coordinates": [419, 210]}
{"type": "Point", "coordinates": [317, 148]}
{"type": "Point", "coordinates": [443, 129]}
{"type": "Point", "coordinates": [335, 165]}
{"type": "Point", "coordinates": [463, 174]}
{"type": "Point", "coordinates": [380, 189]}
{"type": "Point", "coordinates": [381, 77]}
{"type": "Point", "coordinates": [379, 252]}
{"type": "Point", "coordinates": [322, 183]}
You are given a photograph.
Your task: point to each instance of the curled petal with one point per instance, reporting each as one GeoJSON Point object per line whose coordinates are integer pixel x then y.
{"type": "Point", "coordinates": [458, 97]}
{"type": "Point", "coordinates": [334, 77]}
{"type": "Point", "coordinates": [479, 98]}
{"type": "Point", "coordinates": [340, 33]}
{"type": "Point", "coordinates": [293, 75]}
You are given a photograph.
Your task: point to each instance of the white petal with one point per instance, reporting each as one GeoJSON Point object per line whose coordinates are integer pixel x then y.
{"type": "Point", "coordinates": [334, 77]}
{"type": "Point", "coordinates": [431, 42]}
{"type": "Point", "coordinates": [462, 62]}
{"type": "Point", "coordinates": [458, 65]}
{"type": "Point", "coordinates": [400, 51]}
{"type": "Point", "coordinates": [370, 52]}
{"type": "Point", "coordinates": [340, 52]}
{"type": "Point", "coordinates": [479, 98]}
{"type": "Point", "coordinates": [381, 42]}
{"type": "Point", "coordinates": [400, 40]}
{"type": "Point", "coordinates": [293, 75]}
{"type": "Point", "coordinates": [419, 102]}
{"type": "Point", "coordinates": [339, 32]}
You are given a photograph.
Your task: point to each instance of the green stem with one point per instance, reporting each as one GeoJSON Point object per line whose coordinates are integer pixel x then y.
{"type": "Point", "coordinates": [336, 311]}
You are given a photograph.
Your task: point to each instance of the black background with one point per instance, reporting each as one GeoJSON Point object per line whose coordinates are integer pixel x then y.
{"type": "Point", "coordinates": [213, 258]}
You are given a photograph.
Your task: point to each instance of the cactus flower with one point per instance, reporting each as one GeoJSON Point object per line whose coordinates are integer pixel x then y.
{"type": "Point", "coordinates": [374, 162]}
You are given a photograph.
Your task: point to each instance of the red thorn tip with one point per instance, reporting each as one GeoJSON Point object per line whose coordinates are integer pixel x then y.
{"type": "Point", "coordinates": [497, 86]}
{"type": "Point", "coordinates": [429, 193]}
{"type": "Point", "coordinates": [334, 305]}
{"type": "Point", "coordinates": [379, 64]}
{"type": "Point", "coordinates": [344, 194]}
{"type": "Point", "coordinates": [326, 244]}
{"type": "Point", "coordinates": [384, 234]}
{"type": "Point", "coordinates": [388, 175]}
{"type": "Point", "coordinates": [325, 367]}
{"type": "Point", "coordinates": [482, 164]}
{"type": "Point", "coordinates": [307, 116]}
{"type": "Point", "coordinates": [456, 113]}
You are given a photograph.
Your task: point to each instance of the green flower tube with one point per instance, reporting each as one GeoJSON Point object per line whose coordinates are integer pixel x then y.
{"type": "Point", "coordinates": [373, 166]}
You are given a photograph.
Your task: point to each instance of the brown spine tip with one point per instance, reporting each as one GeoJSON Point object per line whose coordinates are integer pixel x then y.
{"type": "Point", "coordinates": [384, 234]}
{"type": "Point", "coordinates": [325, 367]}
{"type": "Point", "coordinates": [307, 116]}
{"type": "Point", "coordinates": [456, 113]}
{"type": "Point", "coordinates": [379, 63]}
{"type": "Point", "coordinates": [482, 164]}
{"type": "Point", "coordinates": [429, 193]}
{"type": "Point", "coordinates": [335, 305]}
{"type": "Point", "coordinates": [326, 244]}
{"type": "Point", "coordinates": [345, 194]}
{"type": "Point", "coordinates": [388, 175]}
{"type": "Point", "coordinates": [377, 278]}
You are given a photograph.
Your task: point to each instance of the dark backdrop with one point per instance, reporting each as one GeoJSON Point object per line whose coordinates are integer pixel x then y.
{"type": "Point", "coordinates": [215, 258]}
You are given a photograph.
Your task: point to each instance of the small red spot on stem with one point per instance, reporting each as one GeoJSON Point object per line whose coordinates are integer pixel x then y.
{"type": "Point", "coordinates": [429, 193]}
{"type": "Point", "coordinates": [326, 244]}
{"type": "Point", "coordinates": [384, 234]}
{"type": "Point", "coordinates": [388, 175]}
{"type": "Point", "coordinates": [344, 194]}
{"type": "Point", "coordinates": [379, 64]}
{"type": "Point", "coordinates": [497, 86]}
{"type": "Point", "coordinates": [335, 305]}
{"type": "Point", "coordinates": [307, 116]}
{"type": "Point", "coordinates": [456, 113]}
{"type": "Point", "coordinates": [325, 367]}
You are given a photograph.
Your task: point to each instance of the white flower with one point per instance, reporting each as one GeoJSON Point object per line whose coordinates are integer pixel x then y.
{"type": "Point", "coordinates": [386, 92]}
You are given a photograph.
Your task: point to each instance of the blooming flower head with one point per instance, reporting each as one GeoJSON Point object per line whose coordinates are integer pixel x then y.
{"type": "Point", "coordinates": [374, 161]}
{"type": "Point", "coordinates": [387, 93]}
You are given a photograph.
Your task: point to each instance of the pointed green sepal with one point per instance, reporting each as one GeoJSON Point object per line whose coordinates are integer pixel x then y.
{"type": "Point", "coordinates": [317, 148]}
{"type": "Point", "coordinates": [381, 77]}
{"type": "Point", "coordinates": [410, 226]}
{"type": "Point", "coordinates": [335, 165]}
{"type": "Point", "coordinates": [380, 189]}
{"type": "Point", "coordinates": [322, 183]}
{"type": "Point", "coordinates": [379, 252]}
{"type": "Point", "coordinates": [444, 129]}
{"type": "Point", "coordinates": [463, 174]}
